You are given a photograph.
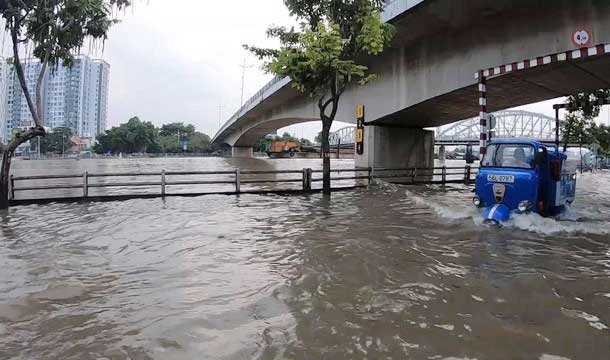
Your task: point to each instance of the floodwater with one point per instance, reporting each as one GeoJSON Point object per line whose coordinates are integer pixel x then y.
{"type": "Point", "coordinates": [385, 272]}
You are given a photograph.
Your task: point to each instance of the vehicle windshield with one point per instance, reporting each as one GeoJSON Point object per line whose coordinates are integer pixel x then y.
{"type": "Point", "coordinates": [509, 156]}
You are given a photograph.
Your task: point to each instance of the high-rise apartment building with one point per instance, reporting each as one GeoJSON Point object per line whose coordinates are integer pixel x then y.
{"type": "Point", "coordinates": [75, 97]}
{"type": "Point", "coordinates": [4, 79]}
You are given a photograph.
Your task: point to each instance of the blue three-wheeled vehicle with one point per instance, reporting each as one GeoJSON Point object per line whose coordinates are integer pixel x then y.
{"type": "Point", "coordinates": [522, 176]}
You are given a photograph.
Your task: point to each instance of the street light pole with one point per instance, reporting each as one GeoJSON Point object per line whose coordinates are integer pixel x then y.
{"type": "Point", "coordinates": [243, 76]}
{"type": "Point", "coordinates": [219, 116]}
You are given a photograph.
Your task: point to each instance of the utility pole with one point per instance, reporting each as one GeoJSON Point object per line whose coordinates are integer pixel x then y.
{"type": "Point", "coordinates": [219, 116]}
{"type": "Point", "coordinates": [243, 76]}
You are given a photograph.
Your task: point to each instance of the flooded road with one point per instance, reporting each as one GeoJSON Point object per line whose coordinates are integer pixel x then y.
{"type": "Point", "coordinates": [400, 272]}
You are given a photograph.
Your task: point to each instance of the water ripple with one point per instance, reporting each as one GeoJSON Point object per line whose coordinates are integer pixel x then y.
{"type": "Point", "coordinates": [386, 272]}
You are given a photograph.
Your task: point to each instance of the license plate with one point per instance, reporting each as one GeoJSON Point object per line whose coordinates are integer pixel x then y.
{"type": "Point", "coordinates": [501, 178]}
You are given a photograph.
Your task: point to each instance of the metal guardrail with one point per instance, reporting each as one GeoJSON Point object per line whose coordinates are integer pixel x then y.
{"type": "Point", "coordinates": [234, 178]}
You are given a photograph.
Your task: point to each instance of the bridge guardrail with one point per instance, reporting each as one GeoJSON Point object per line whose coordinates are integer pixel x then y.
{"type": "Point", "coordinates": [128, 185]}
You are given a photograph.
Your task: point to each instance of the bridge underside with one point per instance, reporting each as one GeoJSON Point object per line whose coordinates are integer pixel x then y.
{"type": "Point", "coordinates": [509, 90]}
{"type": "Point", "coordinates": [504, 91]}
{"type": "Point", "coordinates": [259, 131]}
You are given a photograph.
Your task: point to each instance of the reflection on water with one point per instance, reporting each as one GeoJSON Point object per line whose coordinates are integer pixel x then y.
{"type": "Point", "coordinates": [385, 272]}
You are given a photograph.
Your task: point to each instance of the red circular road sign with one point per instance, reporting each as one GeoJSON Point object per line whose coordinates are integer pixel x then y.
{"type": "Point", "coordinates": [582, 37]}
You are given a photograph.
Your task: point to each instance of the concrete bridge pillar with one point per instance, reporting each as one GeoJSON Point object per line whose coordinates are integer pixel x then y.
{"type": "Point", "coordinates": [242, 151]}
{"type": "Point", "coordinates": [396, 147]}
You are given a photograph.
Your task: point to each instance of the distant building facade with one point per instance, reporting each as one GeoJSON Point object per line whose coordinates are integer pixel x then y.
{"type": "Point", "coordinates": [75, 97]}
{"type": "Point", "coordinates": [4, 79]}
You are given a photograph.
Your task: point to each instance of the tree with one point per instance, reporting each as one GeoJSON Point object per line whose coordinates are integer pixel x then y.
{"type": "Point", "coordinates": [318, 138]}
{"type": "Point", "coordinates": [305, 142]}
{"type": "Point", "coordinates": [601, 136]}
{"type": "Point", "coordinates": [138, 136]}
{"type": "Point", "coordinates": [582, 108]}
{"type": "Point", "coordinates": [326, 54]}
{"type": "Point", "coordinates": [53, 29]}
{"type": "Point", "coordinates": [135, 136]}
{"type": "Point", "coordinates": [56, 142]}
{"type": "Point", "coordinates": [198, 142]}
{"type": "Point", "coordinates": [176, 128]}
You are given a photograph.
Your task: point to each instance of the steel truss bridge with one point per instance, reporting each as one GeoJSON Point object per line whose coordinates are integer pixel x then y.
{"type": "Point", "coordinates": [509, 124]}
{"type": "Point", "coordinates": [344, 137]}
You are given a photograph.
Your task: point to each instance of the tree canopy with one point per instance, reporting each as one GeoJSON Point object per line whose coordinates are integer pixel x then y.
{"type": "Point", "coordinates": [176, 128]}
{"type": "Point", "coordinates": [579, 126]}
{"type": "Point", "coordinates": [138, 136]}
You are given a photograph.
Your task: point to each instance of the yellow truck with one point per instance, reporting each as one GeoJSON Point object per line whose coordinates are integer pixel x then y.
{"type": "Point", "coordinates": [282, 149]}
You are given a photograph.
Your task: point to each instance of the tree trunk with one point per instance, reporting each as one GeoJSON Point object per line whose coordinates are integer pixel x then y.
{"type": "Point", "coordinates": [4, 178]}
{"type": "Point", "coordinates": [326, 123]}
{"type": "Point", "coordinates": [6, 161]}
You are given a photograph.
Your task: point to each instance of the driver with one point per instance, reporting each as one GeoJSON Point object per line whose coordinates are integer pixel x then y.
{"type": "Point", "coordinates": [519, 158]}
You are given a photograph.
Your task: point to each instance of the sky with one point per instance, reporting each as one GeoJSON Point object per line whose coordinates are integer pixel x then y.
{"type": "Point", "coordinates": [181, 61]}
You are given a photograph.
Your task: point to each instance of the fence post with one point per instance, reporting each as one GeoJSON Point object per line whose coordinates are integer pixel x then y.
{"type": "Point", "coordinates": [304, 179]}
{"type": "Point", "coordinates": [444, 175]}
{"type": "Point", "coordinates": [370, 171]}
{"type": "Point", "coordinates": [309, 177]}
{"type": "Point", "coordinates": [413, 175]}
{"type": "Point", "coordinates": [85, 184]}
{"type": "Point", "coordinates": [237, 180]}
{"type": "Point", "coordinates": [163, 182]}
{"type": "Point", "coordinates": [12, 188]}
{"type": "Point", "coordinates": [339, 148]}
{"type": "Point", "coordinates": [467, 175]}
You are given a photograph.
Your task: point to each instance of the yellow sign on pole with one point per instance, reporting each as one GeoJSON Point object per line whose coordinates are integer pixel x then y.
{"type": "Point", "coordinates": [360, 129]}
{"type": "Point", "coordinates": [360, 111]}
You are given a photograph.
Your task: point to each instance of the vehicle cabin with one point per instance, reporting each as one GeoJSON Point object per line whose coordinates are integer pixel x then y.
{"type": "Point", "coordinates": [522, 175]}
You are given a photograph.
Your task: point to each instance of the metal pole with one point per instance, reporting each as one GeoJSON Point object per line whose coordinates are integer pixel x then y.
{"type": "Point", "coordinates": [219, 116]}
{"type": "Point", "coordinates": [482, 114]}
{"type": "Point", "coordinates": [237, 180]}
{"type": "Point", "coordinates": [557, 128]}
{"type": "Point", "coordinates": [85, 185]}
{"type": "Point", "coordinates": [243, 76]}
{"type": "Point", "coordinates": [163, 182]}
{"type": "Point", "coordinates": [338, 147]}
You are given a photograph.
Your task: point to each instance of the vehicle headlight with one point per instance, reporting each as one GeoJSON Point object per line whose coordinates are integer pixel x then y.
{"type": "Point", "coordinates": [476, 201]}
{"type": "Point", "coordinates": [524, 206]}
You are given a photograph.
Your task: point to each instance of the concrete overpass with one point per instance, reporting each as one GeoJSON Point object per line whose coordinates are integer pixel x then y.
{"type": "Point", "coordinates": [525, 50]}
